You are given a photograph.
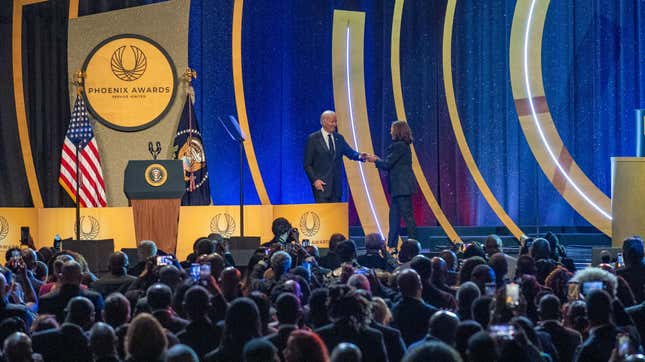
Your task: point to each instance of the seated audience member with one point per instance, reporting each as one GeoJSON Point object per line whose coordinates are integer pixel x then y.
{"type": "Point", "coordinates": [481, 275]}
{"type": "Point", "coordinates": [265, 280]}
{"type": "Point", "coordinates": [575, 317]}
{"type": "Point", "coordinates": [346, 352]}
{"type": "Point", "coordinates": [482, 348]}
{"type": "Point", "coordinates": [411, 315]}
{"type": "Point", "coordinates": [439, 275]}
{"type": "Point", "coordinates": [541, 341]}
{"type": "Point", "coordinates": [499, 265]}
{"type": "Point", "coordinates": [467, 268]}
{"type": "Point", "coordinates": [474, 249]}
{"type": "Point", "coordinates": [56, 264]}
{"type": "Point", "coordinates": [231, 283]}
{"type": "Point", "coordinates": [10, 326]}
{"type": "Point", "coordinates": [564, 339]}
{"type": "Point", "coordinates": [634, 270]}
{"type": "Point", "coordinates": [317, 315]}
{"type": "Point", "coordinates": [70, 279]}
{"type": "Point", "coordinates": [200, 334]}
{"type": "Point", "coordinates": [305, 346]}
{"type": "Point", "coordinates": [443, 327]}
{"type": "Point", "coordinates": [242, 324]}
{"type": "Point", "coordinates": [117, 315]}
{"type": "Point", "coordinates": [346, 251]}
{"type": "Point", "coordinates": [376, 255]}
{"type": "Point", "coordinates": [480, 310]}
{"type": "Point", "coordinates": [349, 312]}
{"type": "Point", "coordinates": [637, 313]}
{"type": "Point", "coordinates": [493, 245]}
{"type": "Point", "coordinates": [145, 340]}
{"type": "Point", "coordinates": [602, 335]}
{"type": "Point", "coordinates": [80, 311]}
{"type": "Point", "coordinates": [259, 350]}
{"type": "Point", "coordinates": [466, 295]}
{"type": "Point", "coordinates": [330, 260]}
{"type": "Point", "coordinates": [432, 351]}
{"type": "Point", "coordinates": [451, 259]}
{"type": "Point", "coordinates": [44, 322]}
{"type": "Point", "coordinates": [8, 309]}
{"type": "Point", "coordinates": [558, 282]}
{"type": "Point", "coordinates": [181, 353]}
{"type": "Point", "coordinates": [430, 293]}
{"type": "Point", "coordinates": [145, 250]}
{"type": "Point", "coordinates": [264, 308]}
{"type": "Point", "coordinates": [394, 345]}
{"type": "Point", "coordinates": [525, 266]}
{"type": "Point", "coordinates": [465, 330]}
{"type": "Point", "coordinates": [69, 340]}
{"type": "Point", "coordinates": [103, 343]}
{"type": "Point", "coordinates": [409, 249]}
{"type": "Point", "coordinates": [289, 313]}
{"type": "Point", "coordinates": [159, 298]}
{"type": "Point", "coordinates": [118, 280]}
{"type": "Point", "coordinates": [541, 252]}
{"type": "Point", "coordinates": [17, 348]}
{"type": "Point", "coordinates": [381, 312]}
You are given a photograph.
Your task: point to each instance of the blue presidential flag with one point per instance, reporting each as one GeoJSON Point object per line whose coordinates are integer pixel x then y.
{"type": "Point", "coordinates": [189, 148]}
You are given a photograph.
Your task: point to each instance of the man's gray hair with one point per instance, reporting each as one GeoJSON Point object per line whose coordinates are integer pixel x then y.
{"type": "Point", "coordinates": [280, 262]}
{"type": "Point", "coordinates": [326, 114]}
{"type": "Point", "coordinates": [147, 248]}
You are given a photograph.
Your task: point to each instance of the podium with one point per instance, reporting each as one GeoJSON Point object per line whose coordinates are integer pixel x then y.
{"type": "Point", "coordinates": [155, 189]}
{"type": "Point", "coordinates": [628, 198]}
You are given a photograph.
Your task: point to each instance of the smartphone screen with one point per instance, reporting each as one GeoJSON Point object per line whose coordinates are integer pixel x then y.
{"type": "Point", "coordinates": [573, 292]}
{"type": "Point", "coordinates": [624, 344]}
{"type": "Point", "coordinates": [587, 287]}
{"type": "Point", "coordinates": [195, 271]}
{"type": "Point", "coordinates": [204, 271]}
{"type": "Point", "coordinates": [163, 260]}
{"type": "Point", "coordinates": [513, 294]}
{"type": "Point", "coordinates": [502, 331]}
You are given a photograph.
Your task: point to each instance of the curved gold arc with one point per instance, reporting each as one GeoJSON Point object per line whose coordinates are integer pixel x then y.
{"type": "Point", "coordinates": [399, 104]}
{"type": "Point", "coordinates": [458, 130]}
{"type": "Point", "coordinates": [525, 59]}
{"type": "Point", "coordinates": [240, 103]}
{"type": "Point", "coordinates": [19, 100]}
{"type": "Point", "coordinates": [73, 9]}
{"type": "Point", "coordinates": [363, 179]}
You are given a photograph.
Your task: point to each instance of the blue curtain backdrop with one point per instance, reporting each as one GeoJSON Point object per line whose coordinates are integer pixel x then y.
{"type": "Point", "coordinates": [593, 71]}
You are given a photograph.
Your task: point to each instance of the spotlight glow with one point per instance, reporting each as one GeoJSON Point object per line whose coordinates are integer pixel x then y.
{"type": "Point", "coordinates": [351, 118]}
{"type": "Point", "coordinates": [537, 123]}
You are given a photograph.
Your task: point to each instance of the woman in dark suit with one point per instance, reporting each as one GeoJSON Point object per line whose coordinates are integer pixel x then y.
{"type": "Point", "coordinates": [398, 163]}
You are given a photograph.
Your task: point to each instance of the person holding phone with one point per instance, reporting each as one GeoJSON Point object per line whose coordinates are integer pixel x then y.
{"type": "Point", "coordinates": [402, 184]}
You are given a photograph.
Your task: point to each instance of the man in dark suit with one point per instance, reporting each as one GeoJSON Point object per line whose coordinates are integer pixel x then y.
{"type": "Point", "coordinates": [56, 301]}
{"type": "Point", "coordinates": [565, 340]}
{"type": "Point", "coordinates": [323, 159]}
{"type": "Point", "coordinates": [118, 280]}
{"type": "Point", "coordinates": [602, 332]}
{"type": "Point", "coordinates": [411, 315]}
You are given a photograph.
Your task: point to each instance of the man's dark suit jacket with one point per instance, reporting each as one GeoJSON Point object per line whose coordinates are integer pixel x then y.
{"type": "Point", "coordinates": [67, 343]}
{"type": "Point", "coordinates": [411, 316]}
{"type": "Point", "coordinates": [394, 344]}
{"type": "Point", "coordinates": [598, 346]}
{"type": "Point", "coordinates": [321, 164]}
{"type": "Point", "coordinates": [369, 340]}
{"type": "Point", "coordinates": [56, 301]}
{"type": "Point", "coordinates": [113, 283]}
{"type": "Point", "coordinates": [202, 336]}
{"type": "Point", "coordinates": [637, 313]}
{"type": "Point", "coordinates": [398, 163]}
{"type": "Point", "coordinates": [565, 340]}
{"type": "Point", "coordinates": [635, 277]}
{"type": "Point", "coordinates": [279, 339]}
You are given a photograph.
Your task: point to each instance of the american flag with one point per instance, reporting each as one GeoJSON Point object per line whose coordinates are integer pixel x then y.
{"type": "Point", "coordinates": [80, 133]}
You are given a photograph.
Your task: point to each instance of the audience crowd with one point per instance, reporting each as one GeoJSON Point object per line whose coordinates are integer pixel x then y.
{"type": "Point", "coordinates": [289, 303]}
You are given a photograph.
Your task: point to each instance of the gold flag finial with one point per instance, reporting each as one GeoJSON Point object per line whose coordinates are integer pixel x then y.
{"type": "Point", "coordinates": [79, 81]}
{"type": "Point", "coordinates": [189, 75]}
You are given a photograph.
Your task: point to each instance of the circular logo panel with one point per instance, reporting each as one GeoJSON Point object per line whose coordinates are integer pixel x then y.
{"type": "Point", "coordinates": [130, 82]}
{"type": "Point", "coordinates": [4, 228]}
{"type": "Point", "coordinates": [309, 224]}
{"type": "Point", "coordinates": [90, 227]}
{"type": "Point", "coordinates": [223, 224]}
{"type": "Point", "coordinates": [156, 175]}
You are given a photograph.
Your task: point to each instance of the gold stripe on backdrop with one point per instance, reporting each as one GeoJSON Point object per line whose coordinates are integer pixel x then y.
{"type": "Point", "coordinates": [458, 130]}
{"type": "Point", "coordinates": [397, 89]}
{"type": "Point", "coordinates": [351, 109]}
{"type": "Point", "coordinates": [525, 62]}
{"type": "Point", "coordinates": [19, 99]}
{"type": "Point", "coordinates": [240, 103]}
{"type": "Point", "coordinates": [73, 9]}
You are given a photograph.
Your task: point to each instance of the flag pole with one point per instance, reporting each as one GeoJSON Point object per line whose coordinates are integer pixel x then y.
{"type": "Point", "coordinates": [79, 91]}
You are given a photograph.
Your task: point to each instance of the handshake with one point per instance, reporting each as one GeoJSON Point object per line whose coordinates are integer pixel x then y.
{"type": "Point", "coordinates": [367, 157]}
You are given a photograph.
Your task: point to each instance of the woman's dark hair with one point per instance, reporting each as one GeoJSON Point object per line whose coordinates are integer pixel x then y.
{"type": "Point", "coordinates": [264, 308]}
{"type": "Point", "coordinates": [241, 324]}
{"type": "Point", "coordinates": [346, 305]}
{"type": "Point", "coordinates": [145, 339]}
{"type": "Point", "coordinates": [467, 268]}
{"type": "Point", "coordinates": [303, 345]}
{"type": "Point", "coordinates": [280, 226]}
{"type": "Point", "coordinates": [401, 132]}
{"type": "Point", "coordinates": [318, 314]}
